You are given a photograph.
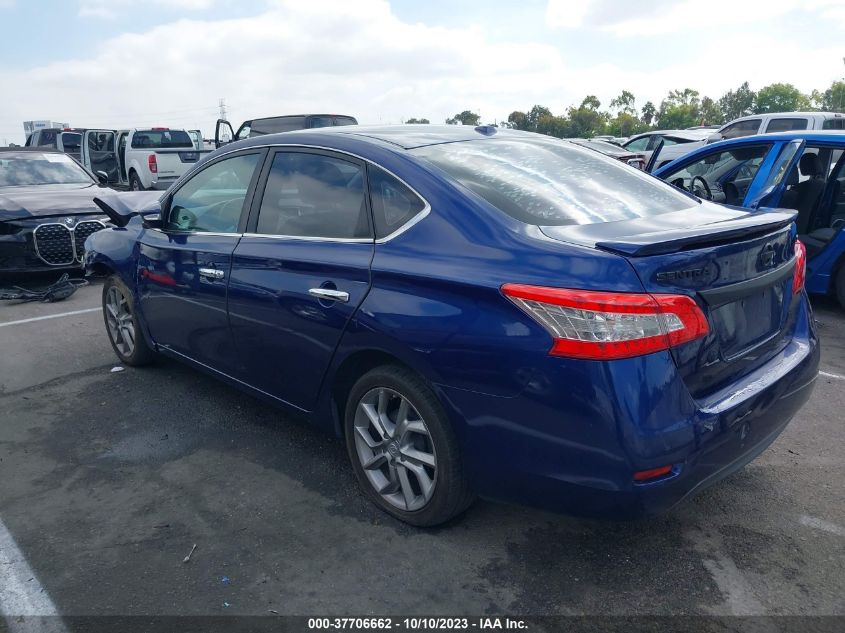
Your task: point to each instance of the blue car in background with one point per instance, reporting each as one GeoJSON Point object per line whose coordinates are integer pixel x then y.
{"type": "Point", "coordinates": [804, 171]}
{"type": "Point", "coordinates": [474, 311]}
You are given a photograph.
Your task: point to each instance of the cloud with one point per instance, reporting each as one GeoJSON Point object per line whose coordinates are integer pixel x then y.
{"type": "Point", "coordinates": [636, 19]}
{"type": "Point", "coordinates": [361, 59]}
{"type": "Point", "coordinates": [7, 4]}
{"type": "Point", "coordinates": [108, 9]}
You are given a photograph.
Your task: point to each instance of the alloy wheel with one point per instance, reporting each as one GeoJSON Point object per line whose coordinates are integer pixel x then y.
{"type": "Point", "coordinates": [395, 449]}
{"type": "Point", "coordinates": [119, 320]}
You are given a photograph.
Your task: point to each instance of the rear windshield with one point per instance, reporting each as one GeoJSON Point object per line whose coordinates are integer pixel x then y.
{"type": "Point", "coordinates": [71, 139]}
{"type": "Point", "coordinates": [552, 183]}
{"type": "Point", "coordinates": [161, 139]}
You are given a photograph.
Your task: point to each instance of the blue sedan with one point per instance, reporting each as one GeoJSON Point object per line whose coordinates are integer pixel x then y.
{"type": "Point", "coordinates": [474, 311]}
{"type": "Point", "coordinates": [804, 171]}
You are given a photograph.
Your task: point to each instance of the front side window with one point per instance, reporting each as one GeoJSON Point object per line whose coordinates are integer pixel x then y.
{"type": "Point", "coordinates": [834, 124]}
{"type": "Point", "coordinates": [721, 176]}
{"type": "Point", "coordinates": [548, 182]}
{"type": "Point", "coordinates": [784, 125]}
{"type": "Point", "coordinates": [314, 196]}
{"type": "Point", "coordinates": [212, 199]}
{"type": "Point", "coordinates": [394, 204]}
{"type": "Point", "coordinates": [741, 128]}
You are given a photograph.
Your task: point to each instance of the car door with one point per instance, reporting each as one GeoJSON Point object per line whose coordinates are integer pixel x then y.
{"type": "Point", "coordinates": [300, 271]}
{"type": "Point", "coordinates": [183, 268]}
{"type": "Point", "coordinates": [99, 153]}
{"type": "Point", "coordinates": [735, 174]}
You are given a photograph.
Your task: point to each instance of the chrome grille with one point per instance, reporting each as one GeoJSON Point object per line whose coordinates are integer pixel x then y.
{"type": "Point", "coordinates": [54, 244]}
{"type": "Point", "coordinates": [60, 245]}
{"type": "Point", "coordinates": [80, 234]}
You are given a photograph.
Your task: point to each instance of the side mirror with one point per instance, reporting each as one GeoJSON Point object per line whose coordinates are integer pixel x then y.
{"type": "Point", "coordinates": [152, 221]}
{"type": "Point", "coordinates": [102, 177]}
{"type": "Point", "coordinates": [714, 138]}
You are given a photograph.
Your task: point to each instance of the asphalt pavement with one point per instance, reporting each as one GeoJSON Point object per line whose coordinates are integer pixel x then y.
{"type": "Point", "coordinates": [109, 479]}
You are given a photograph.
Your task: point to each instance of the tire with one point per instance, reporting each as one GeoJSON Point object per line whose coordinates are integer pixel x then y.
{"type": "Point", "coordinates": [135, 183]}
{"type": "Point", "coordinates": [427, 452]}
{"type": "Point", "coordinates": [839, 286]}
{"type": "Point", "coordinates": [122, 325]}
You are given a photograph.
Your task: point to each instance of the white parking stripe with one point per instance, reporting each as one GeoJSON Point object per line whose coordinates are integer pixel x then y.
{"type": "Point", "coordinates": [50, 316]}
{"type": "Point", "coordinates": [20, 592]}
{"type": "Point", "coordinates": [821, 524]}
{"type": "Point", "coordinates": [829, 375]}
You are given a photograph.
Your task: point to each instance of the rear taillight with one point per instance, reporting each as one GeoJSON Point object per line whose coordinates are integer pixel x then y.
{"type": "Point", "coordinates": [800, 273]}
{"type": "Point", "coordinates": [607, 325]}
{"type": "Point", "coordinates": [151, 161]}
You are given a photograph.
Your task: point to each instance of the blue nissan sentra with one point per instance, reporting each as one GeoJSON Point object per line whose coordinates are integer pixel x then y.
{"type": "Point", "coordinates": [475, 311]}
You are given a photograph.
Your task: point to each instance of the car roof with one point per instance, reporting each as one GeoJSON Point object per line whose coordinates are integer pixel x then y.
{"type": "Point", "coordinates": [403, 136]}
{"type": "Point", "coordinates": [800, 135]}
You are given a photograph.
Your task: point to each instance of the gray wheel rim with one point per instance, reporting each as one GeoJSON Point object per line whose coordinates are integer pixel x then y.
{"type": "Point", "coordinates": [119, 320]}
{"type": "Point", "coordinates": [395, 449]}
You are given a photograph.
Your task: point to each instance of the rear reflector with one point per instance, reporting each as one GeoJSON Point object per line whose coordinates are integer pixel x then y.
{"type": "Point", "coordinates": [609, 325]}
{"type": "Point", "coordinates": [153, 165]}
{"type": "Point", "coordinates": [800, 267]}
{"type": "Point", "coordinates": [652, 473]}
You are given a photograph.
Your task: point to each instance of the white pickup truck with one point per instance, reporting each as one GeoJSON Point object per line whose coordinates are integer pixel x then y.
{"type": "Point", "coordinates": [143, 158]}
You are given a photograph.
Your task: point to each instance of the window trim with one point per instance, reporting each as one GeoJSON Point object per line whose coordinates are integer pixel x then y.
{"type": "Point", "coordinates": [255, 205]}
{"type": "Point", "coordinates": [167, 199]}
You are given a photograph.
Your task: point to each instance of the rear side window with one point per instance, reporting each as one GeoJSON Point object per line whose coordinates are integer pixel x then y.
{"type": "Point", "coordinates": [741, 128]}
{"type": "Point", "coordinates": [161, 139]}
{"type": "Point", "coordinates": [394, 204]}
{"type": "Point", "coordinates": [553, 182]}
{"type": "Point", "coordinates": [276, 125]}
{"type": "Point", "coordinates": [784, 125]}
{"type": "Point", "coordinates": [315, 196]}
{"type": "Point", "coordinates": [834, 124]}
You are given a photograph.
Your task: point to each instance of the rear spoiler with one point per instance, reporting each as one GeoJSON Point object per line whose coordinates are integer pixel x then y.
{"type": "Point", "coordinates": [680, 239]}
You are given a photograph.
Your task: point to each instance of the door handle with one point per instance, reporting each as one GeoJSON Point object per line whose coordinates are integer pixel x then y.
{"type": "Point", "coordinates": [328, 293]}
{"type": "Point", "coordinates": [211, 273]}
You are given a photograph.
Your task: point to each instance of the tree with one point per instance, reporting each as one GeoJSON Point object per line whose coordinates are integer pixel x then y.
{"type": "Point", "coordinates": [625, 124]}
{"type": "Point", "coordinates": [711, 114]}
{"type": "Point", "coordinates": [737, 103]}
{"type": "Point", "coordinates": [833, 99]}
{"type": "Point", "coordinates": [464, 118]}
{"type": "Point", "coordinates": [415, 120]}
{"type": "Point", "coordinates": [780, 98]}
{"type": "Point", "coordinates": [680, 109]}
{"type": "Point", "coordinates": [534, 116]}
{"type": "Point", "coordinates": [518, 120]}
{"type": "Point", "coordinates": [586, 120]}
{"type": "Point", "coordinates": [591, 102]}
{"type": "Point", "coordinates": [625, 103]}
{"type": "Point", "coordinates": [649, 112]}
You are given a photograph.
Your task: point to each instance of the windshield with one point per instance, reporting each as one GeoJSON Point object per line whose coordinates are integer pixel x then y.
{"type": "Point", "coordinates": [36, 168]}
{"type": "Point", "coordinates": [547, 182]}
{"type": "Point", "coordinates": [160, 139]}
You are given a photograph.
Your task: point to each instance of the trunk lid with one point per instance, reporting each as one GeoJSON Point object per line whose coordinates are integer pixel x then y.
{"type": "Point", "coordinates": [737, 265]}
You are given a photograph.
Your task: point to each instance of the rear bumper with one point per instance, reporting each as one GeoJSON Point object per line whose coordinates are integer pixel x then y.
{"type": "Point", "coordinates": [573, 438]}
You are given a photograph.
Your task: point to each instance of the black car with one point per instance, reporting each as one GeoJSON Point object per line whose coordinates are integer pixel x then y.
{"type": "Point", "coordinates": [46, 210]}
{"type": "Point", "coordinates": [276, 124]}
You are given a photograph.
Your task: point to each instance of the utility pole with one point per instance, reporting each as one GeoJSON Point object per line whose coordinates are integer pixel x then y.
{"type": "Point", "coordinates": [222, 106]}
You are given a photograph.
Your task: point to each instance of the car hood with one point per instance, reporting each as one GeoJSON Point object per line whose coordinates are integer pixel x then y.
{"type": "Point", "coordinates": [41, 201]}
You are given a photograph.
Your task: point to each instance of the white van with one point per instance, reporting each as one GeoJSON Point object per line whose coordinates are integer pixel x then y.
{"type": "Point", "coordinates": [779, 122]}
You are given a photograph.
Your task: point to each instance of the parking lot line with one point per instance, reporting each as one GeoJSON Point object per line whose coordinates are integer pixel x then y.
{"type": "Point", "coordinates": [20, 592]}
{"type": "Point", "coordinates": [829, 375]}
{"type": "Point", "coordinates": [50, 316]}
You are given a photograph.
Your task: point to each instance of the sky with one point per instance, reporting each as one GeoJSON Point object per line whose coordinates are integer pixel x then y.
{"type": "Point", "coordinates": [134, 63]}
